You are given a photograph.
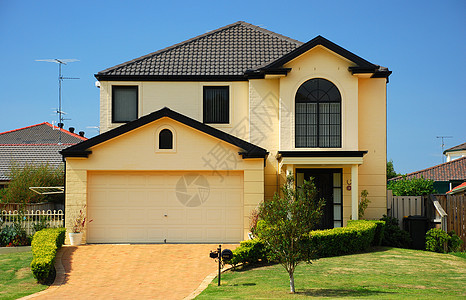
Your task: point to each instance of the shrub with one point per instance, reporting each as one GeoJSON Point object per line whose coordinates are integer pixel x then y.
{"type": "Point", "coordinates": [363, 204]}
{"type": "Point", "coordinates": [356, 237]}
{"type": "Point", "coordinates": [14, 235]}
{"type": "Point", "coordinates": [250, 251]}
{"type": "Point", "coordinates": [411, 187]}
{"type": "Point", "coordinates": [439, 241]}
{"type": "Point", "coordinates": [393, 236]}
{"type": "Point", "coordinates": [379, 233]}
{"type": "Point", "coordinates": [33, 175]}
{"type": "Point", "coordinates": [45, 245]}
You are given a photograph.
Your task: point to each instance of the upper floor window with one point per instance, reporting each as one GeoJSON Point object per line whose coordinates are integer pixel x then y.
{"type": "Point", "coordinates": [124, 104]}
{"type": "Point", "coordinates": [318, 115]}
{"type": "Point", "coordinates": [165, 139]}
{"type": "Point", "coordinates": [216, 104]}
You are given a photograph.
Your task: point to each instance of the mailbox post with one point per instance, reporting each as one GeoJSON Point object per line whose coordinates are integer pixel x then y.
{"type": "Point", "coordinates": [226, 254]}
{"type": "Point", "coordinates": [219, 249]}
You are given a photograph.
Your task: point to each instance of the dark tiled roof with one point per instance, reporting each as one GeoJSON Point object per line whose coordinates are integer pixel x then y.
{"type": "Point", "coordinates": [227, 51]}
{"type": "Point", "coordinates": [28, 154]}
{"type": "Point", "coordinates": [36, 144]}
{"type": "Point", "coordinates": [452, 170]}
{"type": "Point", "coordinates": [456, 148]}
{"type": "Point", "coordinates": [43, 133]}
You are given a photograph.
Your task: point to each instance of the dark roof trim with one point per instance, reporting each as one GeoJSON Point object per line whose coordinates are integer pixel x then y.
{"type": "Point", "coordinates": [82, 153]}
{"type": "Point", "coordinates": [363, 66]}
{"type": "Point", "coordinates": [170, 77]}
{"type": "Point", "coordinates": [260, 74]}
{"type": "Point", "coordinates": [320, 154]}
{"type": "Point", "coordinates": [319, 40]}
{"type": "Point", "coordinates": [81, 149]}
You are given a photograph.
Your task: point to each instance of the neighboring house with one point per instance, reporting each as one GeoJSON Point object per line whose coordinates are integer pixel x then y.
{"type": "Point", "coordinates": [36, 144]}
{"type": "Point", "coordinates": [455, 152]}
{"type": "Point", "coordinates": [446, 176]}
{"type": "Point", "coordinates": [196, 135]}
{"type": "Point", "coordinates": [458, 190]}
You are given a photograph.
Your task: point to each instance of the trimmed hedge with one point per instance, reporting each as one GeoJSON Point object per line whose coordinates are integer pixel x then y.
{"type": "Point", "coordinates": [249, 251]}
{"type": "Point", "coordinates": [45, 245]}
{"type": "Point", "coordinates": [357, 236]}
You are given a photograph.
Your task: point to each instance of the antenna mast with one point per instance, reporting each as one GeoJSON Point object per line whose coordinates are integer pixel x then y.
{"type": "Point", "coordinates": [60, 79]}
{"type": "Point", "coordinates": [443, 144]}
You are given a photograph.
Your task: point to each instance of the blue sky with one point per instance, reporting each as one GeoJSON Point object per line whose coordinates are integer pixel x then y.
{"type": "Point", "coordinates": [422, 42]}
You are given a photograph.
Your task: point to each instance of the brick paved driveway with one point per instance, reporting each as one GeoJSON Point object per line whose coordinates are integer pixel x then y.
{"type": "Point", "coordinates": [170, 271]}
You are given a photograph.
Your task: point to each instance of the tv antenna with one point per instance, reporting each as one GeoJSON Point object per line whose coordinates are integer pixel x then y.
{"type": "Point", "coordinates": [60, 79]}
{"type": "Point", "coordinates": [443, 144]}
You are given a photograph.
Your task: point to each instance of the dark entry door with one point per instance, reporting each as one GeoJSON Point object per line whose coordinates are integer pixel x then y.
{"type": "Point", "coordinates": [328, 184]}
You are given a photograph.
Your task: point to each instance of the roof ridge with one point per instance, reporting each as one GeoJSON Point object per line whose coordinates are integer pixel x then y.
{"type": "Point", "coordinates": [66, 131]}
{"type": "Point", "coordinates": [211, 32]}
{"type": "Point", "coordinates": [271, 33]}
{"type": "Point", "coordinates": [170, 47]}
{"type": "Point", "coordinates": [43, 144]}
{"type": "Point", "coordinates": [23, 128]}
{"type": "Point", "coordinates": [431, 168]}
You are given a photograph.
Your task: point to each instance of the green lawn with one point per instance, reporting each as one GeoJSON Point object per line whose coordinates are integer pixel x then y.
{"type": "Point", "coordinates": [16, 279]}
{"type": "Point", "coordinates": [385, 273]}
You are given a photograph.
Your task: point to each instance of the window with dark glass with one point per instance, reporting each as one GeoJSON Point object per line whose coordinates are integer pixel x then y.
{"type": "Point", "coordinates": [124, 104]}
{"type": "Point", "coordinates": [318, 115]}
{"type": "Point", "coordinates": [216, 104]}
{"type": "Point", "coordinates": [165, 139]}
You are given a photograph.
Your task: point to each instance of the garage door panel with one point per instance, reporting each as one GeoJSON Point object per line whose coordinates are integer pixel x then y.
{"type": "Point", "coordinates": [214, 216]}
{"type": "Point", "coordinates": [232, 215]}
{"type": "Point", "coordinates": [131, 207]}
{"type": "Point", "coordinates": [137, 216]}
{"type": "Point", "coordinates": [156, 216]}
{"type": "Point", "coordinates": [136, 234]}
{"type": "Point", "coordinates": [156, 234]}
{"type": "Point", "coordinates": [176, 216]}
{"type": "Point", "coordinates": [195, 216]}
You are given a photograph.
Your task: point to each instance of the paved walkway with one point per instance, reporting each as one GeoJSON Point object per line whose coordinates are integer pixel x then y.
{"type": "Point", "coordinates": [169, 271]}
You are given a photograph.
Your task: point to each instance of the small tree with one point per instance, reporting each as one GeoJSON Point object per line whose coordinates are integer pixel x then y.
{"type": "Point", "coordinates": [363, 204]}
{"type": "Point", "coordinates": [391, 170]}
{"type": "Point", "coordinates": [285, 223]}
{"type": "Point", "coordinates": [411, 187]}
{"type": "Point", "coordinates": [29, 175]}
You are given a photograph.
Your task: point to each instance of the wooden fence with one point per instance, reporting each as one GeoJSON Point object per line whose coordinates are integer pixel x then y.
{"type": "Point", "coordinates": [402, 206]}
{"type": "Point", "coordinates": [29, 218]}
{"type": "Point", "coordinates": [455, 208]}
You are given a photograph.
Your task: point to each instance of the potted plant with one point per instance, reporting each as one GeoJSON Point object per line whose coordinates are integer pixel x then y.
{"type": "Point", "coordinates": [76, 234]}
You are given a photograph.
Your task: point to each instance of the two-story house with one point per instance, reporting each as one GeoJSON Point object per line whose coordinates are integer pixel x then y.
{"type": "Point", "coordinates": [196, 135]}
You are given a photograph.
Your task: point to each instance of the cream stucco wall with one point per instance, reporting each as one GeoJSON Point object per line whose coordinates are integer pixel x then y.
{"type": "Point", "coordinates": [264, 126]}
{"type": "Point", "coordinates": [184, 97]}
{"type": "Point", "coordinates": [373, 138]}
{"type": "Point", "coordinates": [319, 62]}
{"type": "Point", "coordinates": [136, 151]}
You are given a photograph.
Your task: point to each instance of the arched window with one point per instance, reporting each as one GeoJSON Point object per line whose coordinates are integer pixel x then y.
{"type": "Point", "coordinates": [318, 115]}
{"type": "Point", "coordinates": [165, 139]}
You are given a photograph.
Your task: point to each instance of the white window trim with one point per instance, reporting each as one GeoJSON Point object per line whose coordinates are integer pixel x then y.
{"type": "Point", "coordinates": [157, 133]}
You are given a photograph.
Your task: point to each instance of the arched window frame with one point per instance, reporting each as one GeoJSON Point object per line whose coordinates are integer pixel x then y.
{"type": "Point", "coordinates": [318, 117]}
{"type": "Point", "coordinates": [157, 139]}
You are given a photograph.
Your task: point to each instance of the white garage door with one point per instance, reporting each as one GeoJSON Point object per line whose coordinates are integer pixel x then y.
{"type": "Point", "coordinates": [172, 207]}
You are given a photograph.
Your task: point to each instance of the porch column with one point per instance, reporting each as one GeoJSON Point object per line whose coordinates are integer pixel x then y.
{"type": "Point", "coordinates": [354, 192]}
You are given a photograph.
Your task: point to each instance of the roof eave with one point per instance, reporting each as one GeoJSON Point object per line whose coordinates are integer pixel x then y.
{"type": "Point", "coordinates": [102, 77]}
{"type": "Point", "coordinates": [84, 154]}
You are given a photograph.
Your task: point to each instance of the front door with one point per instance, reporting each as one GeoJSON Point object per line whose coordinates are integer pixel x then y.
{"type": "Point", "coordinates": [328, 184]}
